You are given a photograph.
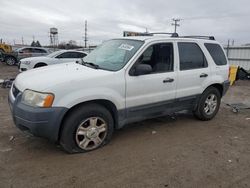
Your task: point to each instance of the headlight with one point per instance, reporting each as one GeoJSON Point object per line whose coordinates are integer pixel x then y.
{"type": "Point", "coordinates": [26, 62]}
{"type": "Point", "coordinates": [37, 99]}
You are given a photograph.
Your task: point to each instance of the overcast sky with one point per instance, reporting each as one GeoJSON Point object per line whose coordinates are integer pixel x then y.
{"type": "Point", "coordinates": [225, 19]}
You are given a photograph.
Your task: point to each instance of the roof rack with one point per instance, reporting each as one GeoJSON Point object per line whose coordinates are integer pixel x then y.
{"type": "Point", "coordinates": [199, 37]}
{"type": "Point", "coordinates": [162, 33]}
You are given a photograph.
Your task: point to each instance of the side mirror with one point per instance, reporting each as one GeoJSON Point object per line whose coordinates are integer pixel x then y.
{"type": "Point", "coordinates": [142, 69]}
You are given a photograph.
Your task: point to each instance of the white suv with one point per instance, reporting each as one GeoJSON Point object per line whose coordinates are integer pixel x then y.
{"type": "Point", "coordinates": [122, 81]}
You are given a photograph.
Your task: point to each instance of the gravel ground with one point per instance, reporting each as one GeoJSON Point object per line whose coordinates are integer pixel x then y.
{"type": "Point", "coordinates": [162, 152]}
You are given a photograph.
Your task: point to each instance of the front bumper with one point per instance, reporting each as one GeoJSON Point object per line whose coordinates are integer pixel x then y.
{"type": "Point", "coordinates": [22, 67]}
{"type": "Point", "coordinates": [41, 122]}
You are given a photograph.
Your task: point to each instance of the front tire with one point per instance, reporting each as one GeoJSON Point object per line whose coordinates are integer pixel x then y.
{"type": "Point", "coordinates": [87, 128]}
{"type": "Point", "coordinates": [9, 60]}
{"type": "Point", "coordinates": [208, 105]}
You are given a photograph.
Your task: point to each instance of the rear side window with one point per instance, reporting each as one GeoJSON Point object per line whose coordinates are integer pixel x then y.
{"type": "Point", "coordinates": [37, 50]}
{"type": "Point", "coordinates": [191, 56]}
{"type": "Point", "coordinates": [217, 53]}
{"type": "Point", "coordinates": [78, 55]}
{"type": "Point", "coordinates": [65, 55]}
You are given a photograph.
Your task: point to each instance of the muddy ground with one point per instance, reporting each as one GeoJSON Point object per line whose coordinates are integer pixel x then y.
{"type": "Point", "coordinates": [162, 152]}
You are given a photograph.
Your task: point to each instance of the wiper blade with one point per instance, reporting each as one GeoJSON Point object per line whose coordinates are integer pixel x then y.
{"type": "Point", "coordinates": [91, 64]}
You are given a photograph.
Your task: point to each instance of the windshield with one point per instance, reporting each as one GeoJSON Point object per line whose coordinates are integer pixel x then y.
{"type": "Point", "coordinates": [113, 54]}
{"type": "Point", "coordinates": [54, 54]}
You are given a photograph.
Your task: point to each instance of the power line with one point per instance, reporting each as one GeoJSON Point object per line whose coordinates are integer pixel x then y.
{"type": "Point", "coordinates": [175, 24]}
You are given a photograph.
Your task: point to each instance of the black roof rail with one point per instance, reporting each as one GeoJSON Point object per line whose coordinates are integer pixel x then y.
{"type": "Point", "coordinates": [199, 37]}
{"type": "Point", "coordinates": [162, 33]}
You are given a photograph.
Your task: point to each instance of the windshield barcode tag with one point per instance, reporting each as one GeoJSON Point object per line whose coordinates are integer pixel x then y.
{"type": "Point", "coordinates": [126, 47]}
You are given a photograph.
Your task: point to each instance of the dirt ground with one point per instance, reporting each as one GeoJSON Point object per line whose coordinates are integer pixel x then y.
{"type": "Point", "coordinates": [162, 152]}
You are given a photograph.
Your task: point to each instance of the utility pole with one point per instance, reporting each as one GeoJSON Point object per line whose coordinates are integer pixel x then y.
{"type": "Point", "coordinates": [175, 24]}
{"type": "Point", "coordinates": [228, 45]}
{"type": "Point", "coordinates": [85, 35]}
{"type": "Point", "coordinates": [22, 41]}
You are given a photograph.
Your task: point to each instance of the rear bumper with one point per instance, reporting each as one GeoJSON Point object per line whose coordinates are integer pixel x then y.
{"type": "Point", "coordinates": [225, 85]}
{"type": "Point", "coordinates": [41, 122]}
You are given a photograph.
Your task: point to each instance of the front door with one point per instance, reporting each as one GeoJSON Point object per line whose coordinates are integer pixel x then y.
{"type": "Point", "coordinates": [154, 92]}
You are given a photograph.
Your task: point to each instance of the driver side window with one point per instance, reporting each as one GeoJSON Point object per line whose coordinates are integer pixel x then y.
{"type": "Point", "coordinates": [159, 56]}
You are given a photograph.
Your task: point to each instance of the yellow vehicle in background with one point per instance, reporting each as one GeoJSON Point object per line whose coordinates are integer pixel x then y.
{"type": "Point", "coordinates": [5, 48]}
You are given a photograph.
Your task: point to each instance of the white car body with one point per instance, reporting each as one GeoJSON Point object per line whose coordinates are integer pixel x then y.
{"type": "Point", "coordinates": [51, 59]}
{"type": "Point", "coordinates": [130, 97]}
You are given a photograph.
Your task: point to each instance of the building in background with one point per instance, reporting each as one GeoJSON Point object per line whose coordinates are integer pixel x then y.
{"type": "Point", "coordinates": [239, 56]}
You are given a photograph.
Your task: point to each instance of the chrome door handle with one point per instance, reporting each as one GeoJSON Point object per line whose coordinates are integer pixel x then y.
{"type": "Point", "coordinates": [168, 80]}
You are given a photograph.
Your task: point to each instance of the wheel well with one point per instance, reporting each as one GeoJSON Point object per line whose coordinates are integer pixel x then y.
{"type": "Point", "coordinates": [41, 64]}
{"type": "Point", "coordinates": [219, 87]}
{"type": "Point", "coordinates": [105, 103]}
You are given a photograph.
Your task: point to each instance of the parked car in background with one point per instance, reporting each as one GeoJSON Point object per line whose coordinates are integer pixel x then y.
{"type": "Point", "coordinates": [1, 56]}
{"type": "Point", "coordinates": [9, 58]}
{"type": "Point", "coordinates": [122, 81]}
{"type": "Point", "coordinates": [20, 53]}
{"type": "Point", "coordinates": [31, 52]}
{"type": "Point", "coordinates": [57, 57]}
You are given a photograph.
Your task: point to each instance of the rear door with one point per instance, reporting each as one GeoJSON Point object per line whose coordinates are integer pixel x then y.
{"type": "Point", "coordinates": [193, 73]}
{"type": "Point", "coordinates": [36, 52]}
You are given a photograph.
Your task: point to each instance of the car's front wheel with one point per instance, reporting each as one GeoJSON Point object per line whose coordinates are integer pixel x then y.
{"type": "Point", "coordinates": [87, 128]}
{"type": "Point", "coordinates": [9, 60]}
{"type": "Point", "coordinates": [209, 104]}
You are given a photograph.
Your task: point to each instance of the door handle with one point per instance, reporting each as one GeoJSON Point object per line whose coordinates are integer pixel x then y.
{"type": "Point", "coordinates": [168, 80]}
{"type": "Point", "coordinates": [203, 75]}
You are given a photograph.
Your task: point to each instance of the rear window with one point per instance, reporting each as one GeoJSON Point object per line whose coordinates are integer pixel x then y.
{"type": "Point", "coordinates": [217, 53]}
{"type": "Point", "coordinates": [191, 56]}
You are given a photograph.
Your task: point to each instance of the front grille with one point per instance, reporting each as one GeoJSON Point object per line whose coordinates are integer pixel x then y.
{"type": "Point", "coordinates": [15, 91]}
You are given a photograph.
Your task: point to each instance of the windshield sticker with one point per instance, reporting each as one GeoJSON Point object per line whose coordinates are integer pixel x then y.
{"type": "Point", "coordinates": [126, 47]}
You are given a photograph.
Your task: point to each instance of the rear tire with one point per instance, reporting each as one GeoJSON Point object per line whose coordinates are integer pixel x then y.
{"type": "Point", "coordinates": [208, 104]}
{"type": "Point", "coordinates": [86, 128]}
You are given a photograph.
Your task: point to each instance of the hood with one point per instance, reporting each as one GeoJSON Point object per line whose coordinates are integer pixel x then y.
{"type": "Point", "coordinates": [44, 78]}
{"type": "Point", "coordinates": [35, 59]}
